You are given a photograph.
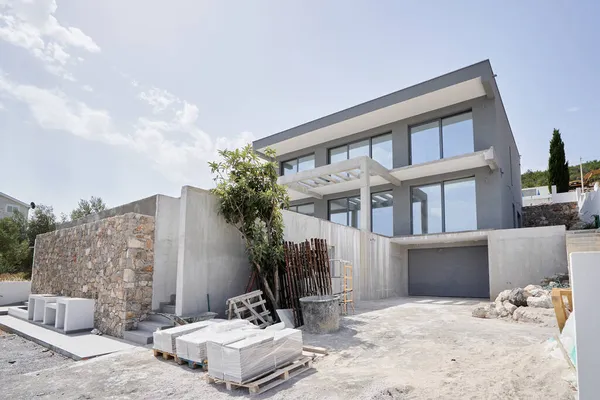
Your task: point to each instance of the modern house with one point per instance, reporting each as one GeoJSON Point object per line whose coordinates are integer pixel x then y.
{"type": "Point", "coordinates": [434, 166]}
{"type": "Point", "coordinates": [8, 205]}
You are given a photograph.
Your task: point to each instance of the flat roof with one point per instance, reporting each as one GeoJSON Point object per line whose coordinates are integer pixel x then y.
{"type": "Point", "coordinates": [451, 88]}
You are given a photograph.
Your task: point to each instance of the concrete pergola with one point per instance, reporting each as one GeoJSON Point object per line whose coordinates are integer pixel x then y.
{"type": "Point", "coordinates": [363, 172]}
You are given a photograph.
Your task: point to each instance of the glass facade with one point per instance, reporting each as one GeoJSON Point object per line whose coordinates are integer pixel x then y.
{"type": "Point", "coordinates": [345, 211]}
{"type": "Point", "coordinates": [295, 165]}
{"type": "Point", "coordinates": [379, 148]}
{"type": "Point", "coordinates": [382, 213]}
{"type": "Point", "coordinates": [444, 207]}
{"type": "Point", "coordinates": [442, 138]}
{"type": "Point", "coordinates": [306, 209]}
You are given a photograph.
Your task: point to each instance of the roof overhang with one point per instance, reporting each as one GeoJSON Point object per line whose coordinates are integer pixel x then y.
{"type": "Point", "coordinates": [453, 88]}
{"type": "Point", "coordinates": [344, 176]}
{"type": "Point", "coordinates": [15, 200]}
{"type": "Point", "coordinates": [442, 238]}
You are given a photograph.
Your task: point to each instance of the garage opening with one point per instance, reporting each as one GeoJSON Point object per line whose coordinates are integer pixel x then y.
{"type": "Point", "coordinates": [449, 272]}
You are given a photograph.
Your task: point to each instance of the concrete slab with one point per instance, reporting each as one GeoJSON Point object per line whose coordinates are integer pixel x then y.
{"type": "Point", "coordinates": [75, 346]}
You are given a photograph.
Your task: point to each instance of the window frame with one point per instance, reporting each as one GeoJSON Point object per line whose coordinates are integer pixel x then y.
{"type": "Point", "coordinates": [15, 208]}
{"type": "Point", "coordinates": [347, 198]}
{"type": "Point", "coordinates": [369, 139]}
{"type": "Point", "coordinates": [300, 205]}
{"type": "Point", "coordinates": [391, 191]}
{"type": "Point", "coordinates": [440, 133]}
{"type": "Point", "coordinates": [443, 203]}
{"type": "Point", "coordinates": [297, 159]}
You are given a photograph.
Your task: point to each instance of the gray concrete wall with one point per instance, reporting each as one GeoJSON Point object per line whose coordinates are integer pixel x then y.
{"type": "Point", "coordinates": [519, 257]}
{"type": "Point", "coordinates": [145, 206]}
{"type": "Point", "coordinates": [211, 256]}
{"type": "Point", "coordinates": [376, 266]}
{"type": "Point", "coordinates": [166, 240]}
{"type": "Point", "coordinates": [495, 193]}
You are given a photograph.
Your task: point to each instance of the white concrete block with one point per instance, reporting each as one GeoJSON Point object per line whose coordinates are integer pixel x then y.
{"type": "Point", "coordinates": [585, 276]}
{"type": "Point", "coordinates": [74, 314]}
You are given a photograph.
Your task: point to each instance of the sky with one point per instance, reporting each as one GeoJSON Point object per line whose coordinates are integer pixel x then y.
{"type": "Point", "coordinates": [126, 99]}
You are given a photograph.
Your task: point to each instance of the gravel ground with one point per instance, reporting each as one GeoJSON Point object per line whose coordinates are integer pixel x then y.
{"type": "Point", "coordinates": [19, 356]}
{"type": "Point", "coordinates": [392, 349]}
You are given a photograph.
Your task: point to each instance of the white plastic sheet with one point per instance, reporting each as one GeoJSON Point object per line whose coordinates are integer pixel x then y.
{"type": "Point", "coordinates": [568, 338]}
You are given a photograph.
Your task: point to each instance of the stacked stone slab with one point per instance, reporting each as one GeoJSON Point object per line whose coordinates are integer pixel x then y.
{"type": "Point", "coordinates": [192, 346]}
{"type": "Point", "coordinates": [244, 359]}
{"type": "Point", "coordinates": [165, 340]}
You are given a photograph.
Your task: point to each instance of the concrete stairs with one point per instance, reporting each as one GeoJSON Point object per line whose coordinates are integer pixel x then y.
{"type": "Point", "coordinates": [143, 333]}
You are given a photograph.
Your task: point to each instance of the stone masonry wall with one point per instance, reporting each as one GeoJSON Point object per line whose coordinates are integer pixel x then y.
{"type": "Point", "coordinates": [551, 214]}
{"type": "Point", "coordinates": [110, 260]}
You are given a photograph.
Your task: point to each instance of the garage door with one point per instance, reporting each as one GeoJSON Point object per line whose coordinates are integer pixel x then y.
{"type": "Point", "coordinates": [449, 272]}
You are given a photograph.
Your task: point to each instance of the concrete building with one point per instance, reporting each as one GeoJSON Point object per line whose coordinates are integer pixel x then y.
{"type": "Point", "coordinates": [8, 205]}
{"type": "Point", "coordinates": [432, 166]}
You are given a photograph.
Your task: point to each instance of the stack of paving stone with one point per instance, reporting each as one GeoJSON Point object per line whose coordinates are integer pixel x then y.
{"type": "Point", "coordinates": [192, 346]}
{"type": "Point", "coordinates": [165, 340]}
{"type": "Point", "coordinates": [240, 360]}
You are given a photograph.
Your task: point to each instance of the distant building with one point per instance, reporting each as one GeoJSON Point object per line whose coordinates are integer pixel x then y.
{"type": "Point", "coordinates": [541, 195]}
{"type": "Point", "coordinates": [8, 205]}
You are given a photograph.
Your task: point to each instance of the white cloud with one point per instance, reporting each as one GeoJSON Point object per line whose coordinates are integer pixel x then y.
{"type": "Point", "coordinates": [573, 109]}
{"type": "Point", "coordinates": [87, 88]}
{"type": "Point", "coordinates": [158, 99]}
{"type": "Point", "coordinates": [178, 148]}
{"type": "Point", "coordinates": [2, 107]}
{"type": "Point", "coordinates": [31, 25]}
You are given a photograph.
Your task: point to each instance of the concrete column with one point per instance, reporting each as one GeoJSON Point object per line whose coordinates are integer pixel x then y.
{"type": "Point", "coordinates": [584, 277]}
{"type": "Point", "coordinates": [365, 196]}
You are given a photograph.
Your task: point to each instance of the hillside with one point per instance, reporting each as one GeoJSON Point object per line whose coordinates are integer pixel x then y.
{"type": "Point", "coordinates": [539, 178]}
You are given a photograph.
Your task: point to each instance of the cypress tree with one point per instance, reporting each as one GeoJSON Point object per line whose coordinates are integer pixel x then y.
{"type": "Point", "coordinates": [558, 167]}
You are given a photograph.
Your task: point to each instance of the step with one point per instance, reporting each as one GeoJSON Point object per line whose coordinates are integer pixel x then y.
{"type": "Point", "coordinates": [160, 318]}
{"type": "Point", "coordinates": [152, 326]}
{"type": "Point", "coordinates": [140, 337]}
{"type": "Point", "coordinates": [167, 308]}
{"type": "Point", "coordinates": [18, 312]}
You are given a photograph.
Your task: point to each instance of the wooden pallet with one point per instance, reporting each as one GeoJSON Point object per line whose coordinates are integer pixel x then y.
{"type": "Point", "coordinates": [164, 354]}
{"type": "Point", "coordinates": [270, 379]}
{"type": "Point", "coordinates": [192, 364]}
{"type": "Point", "coordinates": [251, 307]}
{"type": "Point", "coordinates": [562, 309]}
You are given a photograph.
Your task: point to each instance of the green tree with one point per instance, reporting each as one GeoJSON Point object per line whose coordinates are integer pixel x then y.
{"type": "Point", "coordinates": [86, 207]}
{"type": "Point", "coordinates": [251, 200]}
{"type": "Point", "coordinates": [558, 167]}
{"type": "Point", "coordinates": [14, 247]}
{"type": "Point", "coordinates": [42, 220]}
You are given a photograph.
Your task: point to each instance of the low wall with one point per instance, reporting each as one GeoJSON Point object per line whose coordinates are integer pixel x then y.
{"type": "Point", "coordinates": [145, 206]}
{"type": "Point", "coordinates": [166, 240]}
{"type": "Point", "coordinates": [110, 260]}
{"type": "Point", "coordinates": [377, 271]}
{"type": "Point", "coordinates": [519, 257]}
{"type": "Point", "coordinates": [566, 214]}
{"type": "Point", "coordinates": [14, 292]}
{"type": "Point", "coordinates": [212, 256]}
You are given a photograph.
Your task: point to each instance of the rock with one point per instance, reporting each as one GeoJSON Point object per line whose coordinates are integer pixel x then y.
{"type": "Point", "coordinates": [540, 302]}
{"type": "Point", "coordinates": [499, 307]}
{"type": "Point", "coordinates": [539, 292]}
{"type": "Point", "coordinates": [553, 284]}
{"type": "Point", "coordinates": [518, 297]}
{"type": "Point", "coordinates": [492, 312]}
{"type": "Point", "coordinates": [529, 288]}
{"type": "Point", "coordinates": [480, 312]}
{"type": "Point", "coordinates": [504, 295]}
{"type": "Point", "coordinates": [535, 315]}
{"type": "Point", "coordinates": [509, 307]}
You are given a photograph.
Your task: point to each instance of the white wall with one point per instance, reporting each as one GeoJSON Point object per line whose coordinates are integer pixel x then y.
{"type": "Point", "coordinates": [585, 276]}
{"type": "Point", "coordinates": [376, 267]}
{"type": "Point", "coordinates": [14, 292]}
{"type": "Point", "coordinates": [211, 256]}
{"type": "Point", "coordinates": [519, 257]}
{"type": "Point", "coordinates": [166, 239]}
{"type": "Point", "coordinates": [589, 205]}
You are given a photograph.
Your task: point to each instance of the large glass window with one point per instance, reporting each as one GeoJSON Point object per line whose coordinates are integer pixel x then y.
{"type": "Point", "coordinates": [460, 209]}
{"type": "Point", "coordinates": [345, 211]}
{"type": "Point", "coordinates": [306, 209]}
{"type": "Point", "coordinates": [444, 207]}
{"type": "Point", "coordinates": [291, 167]}
{"type": "Point", "coordinates": [379, 148]}
{"type": "Point", "coordinates": [442, 138]}
{"type": "Point", "coordinates": [382, 217]}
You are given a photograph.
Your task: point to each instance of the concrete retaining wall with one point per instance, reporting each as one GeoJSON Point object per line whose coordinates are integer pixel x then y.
{"type": "Point", "coordinates": [211, 256]}
{"type": "Point", "coordinates": [14, 292]}
{"type": "Point", "coordinates": [519, 257]}
{"type": "Point", "coordinates": [166, 246]}
{"type": "Point", "coordinates": [377, 271]}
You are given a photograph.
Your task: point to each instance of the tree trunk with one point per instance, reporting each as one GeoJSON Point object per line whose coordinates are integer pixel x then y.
{"type": "Point", "coordinates": [274, 300]}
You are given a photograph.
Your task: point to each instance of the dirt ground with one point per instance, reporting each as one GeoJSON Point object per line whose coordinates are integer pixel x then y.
{"type": "Point", "coordinates": [392, 349]}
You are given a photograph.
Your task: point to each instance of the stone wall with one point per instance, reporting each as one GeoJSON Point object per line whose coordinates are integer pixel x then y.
{"type": "Point", "coordinates": [110, 260]}
{"type": "Point", "coordinates": [566, 214]}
